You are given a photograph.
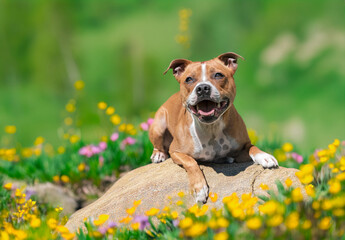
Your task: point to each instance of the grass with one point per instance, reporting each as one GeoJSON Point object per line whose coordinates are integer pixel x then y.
{"type": "Point", "coordinates": [123, 146]}
{"type": "Point", "coordinates": [285, 214]}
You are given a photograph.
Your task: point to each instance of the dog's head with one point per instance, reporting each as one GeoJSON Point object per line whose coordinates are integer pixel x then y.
{"type": "Point", "coordinates": [207, 88]}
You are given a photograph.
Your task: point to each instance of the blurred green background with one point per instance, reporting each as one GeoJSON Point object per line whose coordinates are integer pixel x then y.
{"type": "Point", "coordinates": [291, 85]}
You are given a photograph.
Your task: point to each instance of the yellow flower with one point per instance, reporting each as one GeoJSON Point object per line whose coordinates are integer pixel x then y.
{"type": "Point", "coordinates": [81, 167]}
{"type": "Point", "coordinates": [297, 195]}
{"type": "Point", "coordinates": [197, 211]}
{"type": "Point", "coordinates": [8, 186]}
{"type": "Point", "coordinates": [102, 105]}
{"type": "Point", "coordinates": [287, 147]}
{"type": "Point", "coordinates": [39, 141]}
{"type": "Point", "coordinates": [110, 110]}
{"type": "Point", "coordinates": [288, 182]}
{"type": "Point", "coordinates": [269, 208]}
{"type": "Point", "coordinates": [58, 209]}
{"type": "Point", "coordinates": [35, 222]}
{"type": "Point", "coordinates": [4, 235]}
{"type": "Point", "coordinates": [131, 211]}
{"type": "Point", "coordinates": [115, 119]}
{"type": "Point", "coordinates": [70, 107]}
{"type": "Point", "coordinates": [68, 236]}
{"type": "Point", "coordinates": [186, 223]}
{"type": "Point", "coordinates": [223, 222]}
{"type": "Point", "coordinates": [126, 219]}
{"type": "Point", "coordinates": [213, 197]}
{"type": "Point", "coordinates": [56, 178]}
{"type": "Point", "coordinates": [252, 136]}
{"type": "Point", "coordinates": [179, 203]}
{"type": "Point", "coordinates": [68, 121]}
{"type": "Point", "coordinates": [292, 220]}
{"type": "Point", "coordinates": [136, 203]}
{"type": "Point", "coordinates": [254, 223]}
{"type": "Point", "coordinates": [325, 223]}
{"type": "Point", "coordinates": [310, 190]}
{"type": "Point", "coordinates": [52, 223]}
{"type": "Point", "coordinates": [334, 186]}
{"type": "Point", "coordinates": [101, 219]}
{"type": "Point", "coordinates": [135, 226]}
{"type": "Point", "coordinates": [174, 215]}
{"type": "Point", "coordinates": [74, 138]}
{"type": "Point", "coordinates": [287, 201]}
{"type": "Point", "coordinates": [327, 204]}
{"type": "Point", "coordinates": [340, 177]}
{"type": "Point", "coordinates": [20, 234]}
{"type": "Point", "coordinates": [196, 229]}
{"type": "Point", "coordinates": [152, 212]}
{"type": "Point", "coordinates": [122, 127]}
{"type": "Point", "coordinates": [62, 229]}
{"type": "Point", "coordinates": [79, 85]}
{"type": "Point", "coordinates": [264, 186]}
{"type": "Point", "coordinates": [336, 142]}
{"type": "Point", "coordinates": [64, 178]}
{"type": "Point", "coordinates": [10, 129]}
{"type": "Point", "coordinates": [27, 152]}
{"type": "Point", "coordinates": [221, 236]}
{"type": "Point", "coordinates": [339, 212]}
{"type": "Point", "coordinates": [181, 194]}
{"type": "Point", "coordinates": [305, 175]}
{"type": "Point", "coordinates": [306, 224]}
{"type": "Point", "coordinates": [280, 155]}
{"type": "Point", "coordinates": [315, 205]}
{"type": "Point", "coordinates": [275, 220]}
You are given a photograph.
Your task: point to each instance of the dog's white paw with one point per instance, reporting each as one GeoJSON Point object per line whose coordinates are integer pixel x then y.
{"type": "Point", "coordinates": [202, 195]}
{"type": "Point", "coordinates": [264, 159]}
{"type": "Point", "coordinates": [158, 156]}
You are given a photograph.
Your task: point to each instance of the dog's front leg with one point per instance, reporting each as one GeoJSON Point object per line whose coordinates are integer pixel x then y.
{"type": "Point", "coordinates": [196, 177]}
{"type": "Point", "coordinates": [260, 157]}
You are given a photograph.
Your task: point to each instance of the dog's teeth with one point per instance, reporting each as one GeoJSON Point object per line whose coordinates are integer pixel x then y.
{"type": "Point", "coordinates": [218, 105]}
{"type": "Point", "coordinates": [197, 108]}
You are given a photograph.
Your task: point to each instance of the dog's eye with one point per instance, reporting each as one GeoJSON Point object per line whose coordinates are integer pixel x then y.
{"type": "Point", "coordinates": [218, 75]}
{"type": "Point", "coordinates": [189, 80]}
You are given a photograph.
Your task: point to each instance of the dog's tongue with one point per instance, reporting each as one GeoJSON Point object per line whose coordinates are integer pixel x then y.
{"type": "Point", "coordinates": [206, 108]}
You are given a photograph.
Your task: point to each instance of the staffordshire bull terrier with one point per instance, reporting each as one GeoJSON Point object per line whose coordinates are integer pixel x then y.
{"type": "Point", "coordinates": [200, 123]}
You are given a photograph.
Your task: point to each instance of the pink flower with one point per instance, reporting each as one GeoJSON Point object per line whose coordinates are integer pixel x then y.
{"type": "Point", "coordinates": [90, 150]}
{"type": "Point", "coordinates": [150, 121]}
{"type": "Point", "coordinates": [86, 151]}
{"type": "Point", "coordinates": [127, 141]}
{"type": "Point", "coordinates": [102, 145]}
{"type": "Point", "coordinates": [297, 157]}
{"type": "Point", "coordinates": [114, 137]}
{"type": "Point", "coordinates": [144, 126]}
{"type": "Point", "coordinates": [130, 140]}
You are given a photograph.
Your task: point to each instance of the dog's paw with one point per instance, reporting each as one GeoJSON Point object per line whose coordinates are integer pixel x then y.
{"type": "Point", "coordinates": [264, 159]}
{"type": "Point", "coordinates": [201, 195]}
{"type": "Point", "coordinates": [158, 156]}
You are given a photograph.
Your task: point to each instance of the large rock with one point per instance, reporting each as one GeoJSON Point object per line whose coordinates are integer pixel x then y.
{"type": "Point", "coordinates": [155, 182]}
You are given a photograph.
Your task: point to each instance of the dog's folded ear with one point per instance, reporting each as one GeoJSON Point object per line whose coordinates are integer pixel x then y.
{"type": "Point", "coordinates": [178, 66]}
{"type": "Point", "coordinates": [230, 60]}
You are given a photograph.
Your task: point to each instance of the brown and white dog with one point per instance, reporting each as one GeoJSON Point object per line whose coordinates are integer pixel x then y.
{"type": "Point", "coordinates": [200, 122]}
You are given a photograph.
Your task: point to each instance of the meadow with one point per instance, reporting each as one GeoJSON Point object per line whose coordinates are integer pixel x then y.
{"type": "Point", "coordinates": [285, 214]}
{"type": "Point", "coordinates": [80, 82]}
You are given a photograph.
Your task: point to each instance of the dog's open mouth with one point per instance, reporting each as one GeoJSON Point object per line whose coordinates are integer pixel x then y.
{"type": "Point", "coordinates": [208, 110]}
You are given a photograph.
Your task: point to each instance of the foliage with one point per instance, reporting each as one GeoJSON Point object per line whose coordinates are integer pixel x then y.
{"type": "Point", "coordinates": [315, 212]}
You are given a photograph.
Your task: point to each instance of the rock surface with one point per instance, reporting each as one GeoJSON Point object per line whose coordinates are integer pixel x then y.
{"type": "Point", "coordinates": [153, 184]}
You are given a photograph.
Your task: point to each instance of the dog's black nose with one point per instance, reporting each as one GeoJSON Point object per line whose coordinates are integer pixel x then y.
{"type": "Point", "coordinates": [203, 90]}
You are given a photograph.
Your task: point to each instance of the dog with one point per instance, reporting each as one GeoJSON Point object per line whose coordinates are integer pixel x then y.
{"type": "Point", "coordinates": [200, 123]}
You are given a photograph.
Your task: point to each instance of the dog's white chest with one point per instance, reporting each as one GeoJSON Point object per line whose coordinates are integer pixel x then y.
{"type": "Point", "coordinates": [211, 143]}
